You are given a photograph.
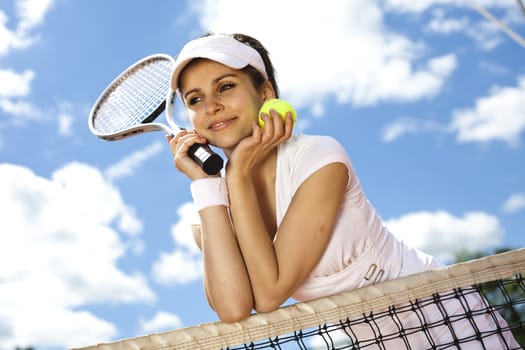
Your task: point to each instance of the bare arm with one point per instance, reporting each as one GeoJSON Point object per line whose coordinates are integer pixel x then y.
{"type": "Point", "coordinates": [226, 281]}
{"type": "Point", "coordinates": [243, 267]}
{"type": "Point", "coordinates": [276, 269]}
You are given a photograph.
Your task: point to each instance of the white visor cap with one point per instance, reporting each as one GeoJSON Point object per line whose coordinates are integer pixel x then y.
{"type": "Point", "coordinates": [220, 48]}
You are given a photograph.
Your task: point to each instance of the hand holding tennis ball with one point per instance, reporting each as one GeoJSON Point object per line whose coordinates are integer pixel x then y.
{"type": "Point", "coordinates": [280, 106]}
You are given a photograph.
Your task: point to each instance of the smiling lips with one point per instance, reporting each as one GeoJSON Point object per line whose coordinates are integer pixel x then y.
{"type": "Point", "coordinates": [220, 124]}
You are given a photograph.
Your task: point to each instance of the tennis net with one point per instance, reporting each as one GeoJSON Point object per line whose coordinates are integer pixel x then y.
{"type": "Point", "coordinates": [380, 316]}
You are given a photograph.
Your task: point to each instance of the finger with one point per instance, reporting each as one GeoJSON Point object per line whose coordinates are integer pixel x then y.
{"type": "Point", "coordinates": [278, 122]}
{"type": "Point", "coordinates": [189, 140]}
{"type": "Point", "coordinates": [288, 123]}
{"type": "Point", "coordinates": [175, 137]}
{"type": "Point", "coordinates": [264, 117]}
{"type": "Point", "coordinates": [268, 129]}
{"type": "Point", "coordinates": [257, 131]}
{"type": "Point", "coordinates": [277, 125]}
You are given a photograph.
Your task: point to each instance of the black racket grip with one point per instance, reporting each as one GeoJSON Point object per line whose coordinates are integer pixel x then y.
{"type": "Point", "coordinates": [208, 160]}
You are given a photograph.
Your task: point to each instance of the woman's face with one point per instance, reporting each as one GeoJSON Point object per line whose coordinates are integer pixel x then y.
{"type": "Point", "coordinates": [222, 103]}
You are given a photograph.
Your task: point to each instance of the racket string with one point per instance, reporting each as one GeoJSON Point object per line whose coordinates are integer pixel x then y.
{"type": "Point", "coordinates": [135, 97]}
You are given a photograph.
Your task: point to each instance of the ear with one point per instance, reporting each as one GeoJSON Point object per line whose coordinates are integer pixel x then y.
{"type": "Point", "coordinates": [267, 91]}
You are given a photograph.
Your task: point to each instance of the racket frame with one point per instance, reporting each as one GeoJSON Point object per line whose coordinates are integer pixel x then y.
{"type": "Point", "coordinates": [147, 125]}
{"type": "Point", "coordinates": [202, 154]}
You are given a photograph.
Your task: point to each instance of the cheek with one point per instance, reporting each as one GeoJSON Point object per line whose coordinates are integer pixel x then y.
{"type": "Point", "coordinates": [246, 104]}
{"type": "Point", "coordinates": [192, 116]}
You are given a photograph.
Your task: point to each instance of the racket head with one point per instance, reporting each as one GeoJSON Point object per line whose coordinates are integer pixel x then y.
{"type": "Point", "coordinates": [133, 100]}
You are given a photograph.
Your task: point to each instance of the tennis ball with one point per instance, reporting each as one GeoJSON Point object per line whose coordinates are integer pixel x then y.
{"type": "Point", "coordinates": [280, 106]}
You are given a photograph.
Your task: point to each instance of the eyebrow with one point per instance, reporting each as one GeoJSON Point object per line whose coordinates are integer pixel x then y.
{"type": "Point", "coordinates": [215, 81]}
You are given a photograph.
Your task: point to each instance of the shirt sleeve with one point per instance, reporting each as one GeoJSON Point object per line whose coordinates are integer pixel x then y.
{"type": "Point", "coordinates": [315, 153]}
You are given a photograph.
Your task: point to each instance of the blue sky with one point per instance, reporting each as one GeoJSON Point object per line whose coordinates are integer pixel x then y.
{"type": "Point", "coordinates": [427, 97]}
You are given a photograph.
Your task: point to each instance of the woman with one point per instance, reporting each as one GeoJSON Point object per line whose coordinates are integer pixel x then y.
{"type": "Point", "coordinates": [288, 218]}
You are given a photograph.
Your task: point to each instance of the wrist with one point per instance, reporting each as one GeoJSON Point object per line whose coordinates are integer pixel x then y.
{"type": "Point", "coordinates": [209, 192]}
{"type": "Point", "coordinates": [238, 177]}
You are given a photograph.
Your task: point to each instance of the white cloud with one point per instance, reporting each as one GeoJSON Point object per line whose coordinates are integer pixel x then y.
{"type": "Point", "coordinates": [423, 5]}
{"type": "Point", "coordinates": [59, 251]}
{"type": "Point", "coordinates": [184, 264]}
{"type": "Point", "coordinates": [177, 267]}
{"type": "Point", "coordinates": [127, 165]}
{"type": "Point", "coordinates": [65, 122]}
{"type": "Point", "coordinates": [64, 118]}
{"type": "Point", "coordinates": [354, 58]}
{"type": "Point", "coordinates": [487, 34]}
{"type": "Point", "coordinates": [8, 39]}
{"type": "Point", "coordinates": [495, 68]}
{"type": "Point", "coordinates": [22, 111]}
{"type": "Point", "coordinates": [412, 6]}
{"type": "Point", "coordinates": [14, 84]}
{"type": "Point", "coordinates": [161, 321]}
{"type": "Point", "coordinates": [14, 88]}
{"type": "Point", "coordinates": [5, 34]}
{"type": "Point", "coordinates": [400, 128]}
{"type": "Point", "coordinates": [500, 116]}
{"type": "Point", "coordinates": [514, 203]}
{"type": "Point", "coordinates": [20, 108]}
{"type": "Point", "coordinates": [30, 14]}
{"type": "Point", "coordinates": [405, 126]}
{"type": "Point", "coordinates": [443, 25]}
{"type": "Point", "coordinates": [441, 234]}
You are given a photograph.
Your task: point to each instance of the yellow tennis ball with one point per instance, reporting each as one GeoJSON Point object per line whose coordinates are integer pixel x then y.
{"type": "Point", "coordinates": [280, 106]}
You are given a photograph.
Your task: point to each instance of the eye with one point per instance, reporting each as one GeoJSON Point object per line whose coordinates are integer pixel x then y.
{"type": "Point", "coordinates": [193, 100]}
{"type": "Point", "coordinates": [226, 87]}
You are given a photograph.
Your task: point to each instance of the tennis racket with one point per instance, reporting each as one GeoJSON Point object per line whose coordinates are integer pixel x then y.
{"type": "Point", "coordinates": [132, 102]}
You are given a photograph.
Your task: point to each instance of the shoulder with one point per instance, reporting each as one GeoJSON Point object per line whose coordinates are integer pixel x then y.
{"type": "Point", "coordinates": [303, 155]}
{"type": "Point", "coordinates": [303, 139]}
{"type": "Point", "coordinates": [315, 149]}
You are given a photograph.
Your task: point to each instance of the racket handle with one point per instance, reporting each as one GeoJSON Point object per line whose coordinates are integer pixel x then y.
{"type": "Point", "coordinates": [208, 160]}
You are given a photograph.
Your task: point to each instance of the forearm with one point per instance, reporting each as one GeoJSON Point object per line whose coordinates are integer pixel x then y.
{"type": "Point", "coordinates": [278, 262]}
{"type": "Point", "coordinates": [225, 276]}
{"type": "Point", "coordinates": [226, 280]}
{"type": "Point", "coordinates": [256, 245]}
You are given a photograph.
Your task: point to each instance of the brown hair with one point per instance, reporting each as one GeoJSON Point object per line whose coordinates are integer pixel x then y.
{"type": "Point", "coordinates": [257, 77]}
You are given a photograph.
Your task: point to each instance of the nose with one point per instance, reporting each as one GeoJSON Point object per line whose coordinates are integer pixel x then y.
{"type": "Point", "coordinates": [213, 105]}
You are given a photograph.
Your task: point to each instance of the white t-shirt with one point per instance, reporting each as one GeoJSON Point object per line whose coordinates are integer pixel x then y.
{"type": "Point", "coordinates": [362, 251]}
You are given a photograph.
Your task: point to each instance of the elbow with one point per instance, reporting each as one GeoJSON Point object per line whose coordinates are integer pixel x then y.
{"type": "Point", "coordinates": [231, 309]}
{"type": "Point", "coordinates": [233, 314]}
{"type": "Point", "coordinates": [267, 305]}
{"type": "Point", "coordinates": [234, 309]}
{"type": "Point", "coordinates": [271, 299]}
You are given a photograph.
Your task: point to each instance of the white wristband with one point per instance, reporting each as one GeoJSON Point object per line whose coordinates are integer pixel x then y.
{"type": "Point", "coordinates": [209, 192]}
